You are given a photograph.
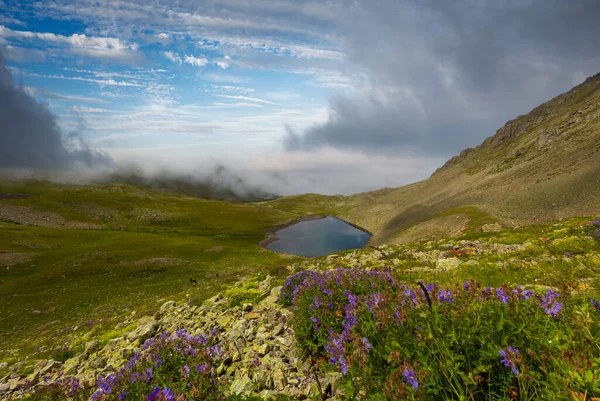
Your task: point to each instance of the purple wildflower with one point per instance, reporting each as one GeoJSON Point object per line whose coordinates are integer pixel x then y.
{"type": "Point", "coordinates": [153, 394]}
{"type": "Point", "coordinates": [410, 378]}
{"type": "Point", "coordinates": [509, 356]}
{"type": "Point", "coordinates": [596, 304]}
{"type": "Point", "coordinates": [158, 361]}
{"type": "Point", "coordinates": [97, 395]}
{"type": "Point", "coordinates": [446, 296]}
{"type": "Point", "coordinates": [366, 344]}
{"type": "Point", "coordinates": [502, 297]}
{"type": "Point", "coordinates": [411, 294]}
{"type": "Point", "coordinates": [105, 384]}
{"type": "Point", "coordinates": [147, 375]}
{"type": "Point", "coordinates": [167, 394]}
{"type": "Point", "coordinates": [75, 387]}
{"type": "Point", "coordinates": [205, 367]}
{"type": "Point", "coordinates": [431, 287]}
{"type": "Point", "coordinates": [550, 303]}
{"type": "Point", "coordinates": [521, 294]}
{"type": "Point", "coordinates": [335, 349]}
{"type": "Point", "coordinates": [186, 371]}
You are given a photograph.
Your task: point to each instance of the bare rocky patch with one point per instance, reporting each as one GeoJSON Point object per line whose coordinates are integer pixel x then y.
{"type": "Point", "coordinates": [214, 249]}
{"type": "Point", "coordinates": [160, 261]}
{"type": "Point", "coordinates": [14, 258]}
{"type": "Point", "coordinates": [30, 217]}
{"type": "Point", "coordinates": [96, 212]}
{"type": "Point", "coordinates": [151, 216]}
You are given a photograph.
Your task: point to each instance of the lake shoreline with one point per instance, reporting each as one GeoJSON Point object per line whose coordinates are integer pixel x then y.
{"type": "Point", "coordinates": [272, 237]}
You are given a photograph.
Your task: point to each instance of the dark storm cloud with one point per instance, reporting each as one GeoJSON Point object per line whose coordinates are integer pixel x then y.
{"type": "Point", "coordinates": [445, 75]}
{"type": "Point", "coordinates": [29, 135]}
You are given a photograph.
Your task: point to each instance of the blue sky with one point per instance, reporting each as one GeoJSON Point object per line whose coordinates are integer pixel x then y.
{"type": "Point", "coordinates": [204, 86]}
{"type": "Point", "coordinates": [330, 96]}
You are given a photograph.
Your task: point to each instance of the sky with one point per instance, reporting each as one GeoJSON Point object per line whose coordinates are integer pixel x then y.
{"type": "Point", "coordinates": [336, 96]}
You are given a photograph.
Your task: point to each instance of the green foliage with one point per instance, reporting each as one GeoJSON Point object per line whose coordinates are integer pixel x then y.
{"type": "Point", "coordinates": [145, 247]}
{"type": "Point", "coordinates": [62, 354]}
{"type": "Point", "coordinates": [471, 342]}
{"type": "Point", "coordinates": [104, 337]}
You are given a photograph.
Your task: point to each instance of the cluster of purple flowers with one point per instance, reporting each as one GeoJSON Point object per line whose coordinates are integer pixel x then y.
{"type": "Point", "coordinates": [146, 368]}
{"type": "Point", "coordinates": [335, 349]}
{"type": "Point", "coordinates": [337, 300]}
{"type": "Point", "coordinates": [550, 303]}
{"type": "Point", "coordinates": [329, 280]}
{"type": "Point", "coordinates": [410, 378]}
{"type": "Point", "coordinates": [158, 394]}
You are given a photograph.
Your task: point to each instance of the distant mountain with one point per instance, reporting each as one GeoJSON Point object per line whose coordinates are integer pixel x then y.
{"type": "Point", "coordinates": [542, 165]}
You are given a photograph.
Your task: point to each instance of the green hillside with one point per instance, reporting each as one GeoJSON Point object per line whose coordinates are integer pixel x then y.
{"type": "Point", "coordinates": [84, 255]}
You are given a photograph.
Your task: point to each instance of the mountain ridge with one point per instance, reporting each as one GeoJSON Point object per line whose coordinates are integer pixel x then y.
{"type": "Point", "coordinates": [543, 164]}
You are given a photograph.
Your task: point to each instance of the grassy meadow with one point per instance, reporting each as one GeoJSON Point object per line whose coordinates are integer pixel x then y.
{"type": "Point", "coordinates": [75, 258]}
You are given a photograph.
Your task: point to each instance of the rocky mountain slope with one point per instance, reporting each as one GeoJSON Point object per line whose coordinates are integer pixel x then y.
{"type": "Point", "coordinates": [545, 163]}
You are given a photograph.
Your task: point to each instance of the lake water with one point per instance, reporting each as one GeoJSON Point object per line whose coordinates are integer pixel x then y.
{"type": "Point", "coordinates": [319, 237]}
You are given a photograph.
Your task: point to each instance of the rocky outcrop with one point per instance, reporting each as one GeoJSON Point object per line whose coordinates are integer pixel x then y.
{"type": "Point", "coordinates": [260, 353]}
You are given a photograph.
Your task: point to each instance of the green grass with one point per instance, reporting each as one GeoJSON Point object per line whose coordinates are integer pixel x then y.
{"type": "Point", "coordinates": [93, 278]}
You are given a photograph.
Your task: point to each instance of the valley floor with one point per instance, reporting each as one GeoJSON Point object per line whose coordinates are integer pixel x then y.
{"type": "Point", "coordinates": [262, 335]}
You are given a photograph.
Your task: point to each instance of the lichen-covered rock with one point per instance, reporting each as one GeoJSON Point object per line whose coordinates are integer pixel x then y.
{"type": "Point", "coordinates": [91, 347]}
{"type": "Point", "coordinates": [97, 363]}
{"type": "Point", "coordinates": [71, 365]}
{"type": "Point", "coordinates": [448, 264]}
{"type": "Point", "coordinates": [50, 367]}
{"type": "Point", "coordinates": [146, 328]}
{"type": "Point", "coordinates": [241, 385]}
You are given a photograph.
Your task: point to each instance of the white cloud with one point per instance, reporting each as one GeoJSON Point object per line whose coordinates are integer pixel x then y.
{"type": "Point", "coordinates": [163, 38]}
{"type": "Point", "coordinates": [9, 20]}
{"type": "Point", "coordinates": [239, 104]}
{"type": "Point", "coordinates": [20, 54]}
{"type": "Point", "coordinates": [88, 110]}
{"type": "Point", "coordinates": [187, 59]}
{"type": "Point", "coordinates": [99, 47]}
{"type": "Point", "coordinates": [102, 82]}
{"type": "Point", "coordinates": [223, 78]}
{"type": "Point", "coordinates": [149, 74]}
{"type": "Point", "coordinates": [160, 94]}
{"type": "Point", "coordinates": [231, 89]}
{"type": "Point", "coordinates": [174, 57]}
{"type": "Point", "coordinates": [223, 63]}
{"type": "Point", "coordinates": [57, 96]}
{"type": "Point", "coordinates": [328, 171]}
{"type": "Point", "coordinates": [195, 61]}
{"type": "Point", "coordinates": [250, 99]}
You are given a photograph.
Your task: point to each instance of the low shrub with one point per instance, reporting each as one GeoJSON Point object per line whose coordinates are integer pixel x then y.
{"type": "Point", "coordinates": [395, 341]}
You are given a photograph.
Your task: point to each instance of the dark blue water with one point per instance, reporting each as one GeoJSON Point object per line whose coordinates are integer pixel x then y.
{"type": "Point", "coordinates": [319, 237]}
